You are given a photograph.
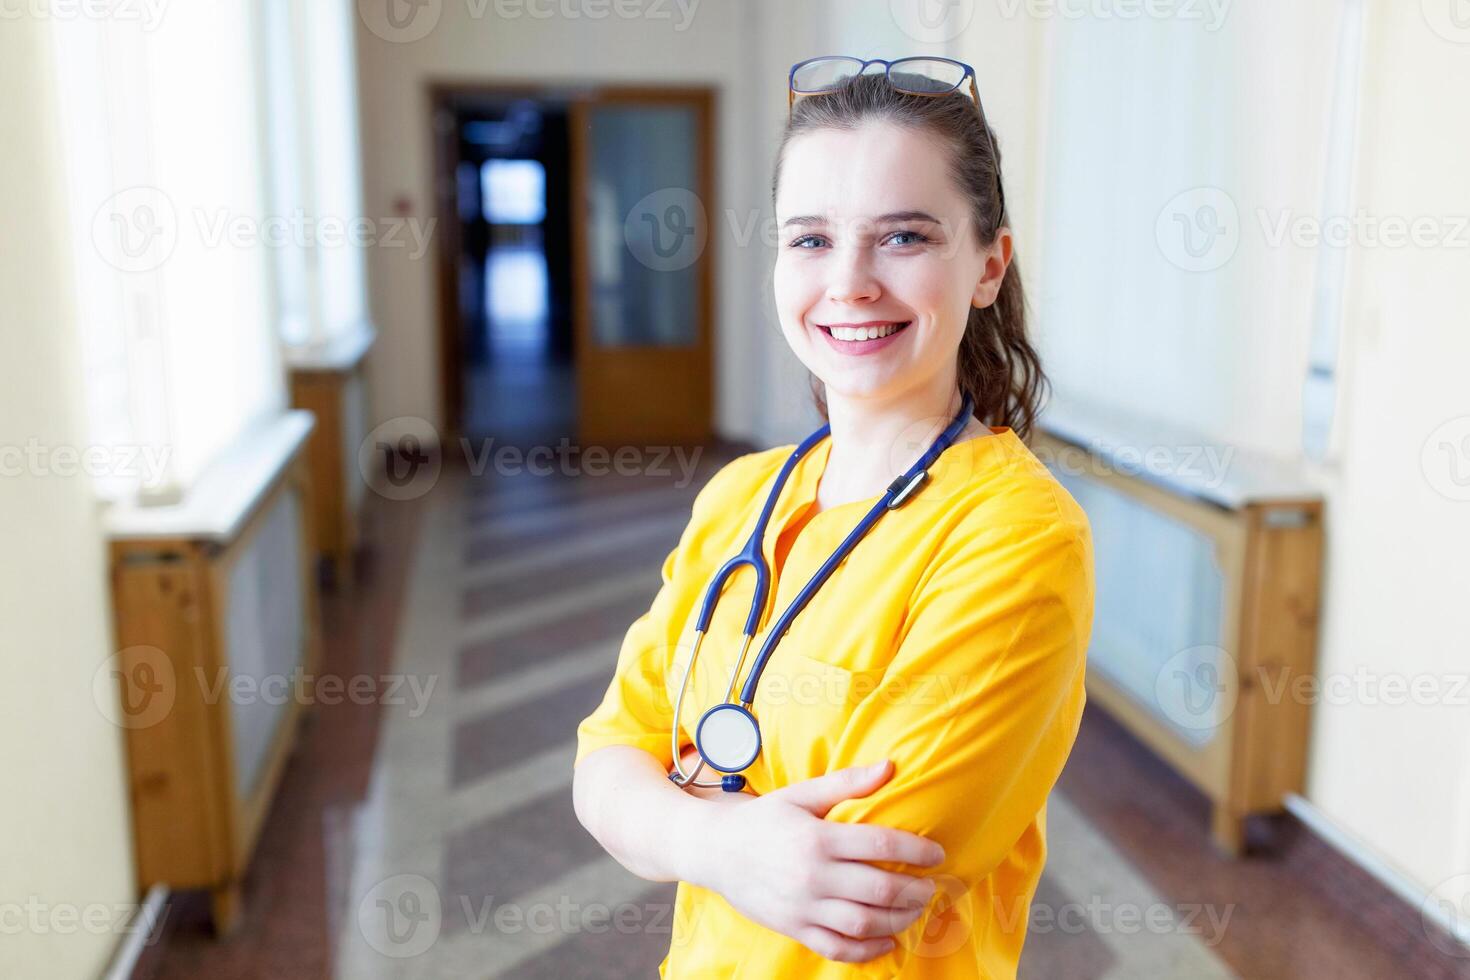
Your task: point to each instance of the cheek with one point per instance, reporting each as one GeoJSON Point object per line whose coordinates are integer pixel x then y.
{"type": "Point", "coordinates": [940, 295]}
{"type": "Point", "coordinates": [929, 286]}
{"type": "Point", "coordinates": [793, 296]}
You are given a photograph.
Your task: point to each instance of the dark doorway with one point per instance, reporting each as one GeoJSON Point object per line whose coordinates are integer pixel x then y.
{"type": "Point", "coordinates": [516, 376]}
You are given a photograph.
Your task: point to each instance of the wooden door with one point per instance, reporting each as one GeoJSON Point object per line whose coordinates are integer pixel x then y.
{"type": "Point", "coordinates": [642, 163]}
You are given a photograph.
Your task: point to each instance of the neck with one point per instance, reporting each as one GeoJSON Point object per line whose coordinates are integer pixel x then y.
{"type": "Point", "coordinates": [874, 440]}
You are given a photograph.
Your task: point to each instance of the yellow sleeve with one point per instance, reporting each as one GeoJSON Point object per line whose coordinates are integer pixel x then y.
{"type": "Point", "coordinates": [980, 706]}
{"type": "Point", "coordinates": [636, 709]}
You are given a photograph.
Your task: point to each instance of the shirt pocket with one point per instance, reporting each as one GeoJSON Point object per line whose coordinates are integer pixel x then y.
{"type": "Point", "coordinates": [804, 705]}
{"type": "Point", "coordinates": [859, 637]}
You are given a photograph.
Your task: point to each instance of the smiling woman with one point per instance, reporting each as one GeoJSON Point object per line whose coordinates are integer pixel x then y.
{"type": "Point", "coordinates": [928, 682]}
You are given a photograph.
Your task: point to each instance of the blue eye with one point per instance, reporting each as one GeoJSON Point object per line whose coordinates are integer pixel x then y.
{"type": "Point", "coordinates": [918, 239]}
{"type": "Point", "coordinates": [917, 236]}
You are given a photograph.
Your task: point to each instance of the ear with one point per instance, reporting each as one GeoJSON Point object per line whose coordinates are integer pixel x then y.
{"type": "Point", "coordinates": [992, 274]}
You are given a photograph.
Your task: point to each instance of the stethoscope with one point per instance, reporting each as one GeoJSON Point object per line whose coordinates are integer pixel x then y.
{"type": "Point", "coordinates": [728, 736]}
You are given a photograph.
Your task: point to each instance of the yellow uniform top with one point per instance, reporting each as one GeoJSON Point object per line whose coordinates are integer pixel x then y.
{"type": "Point", "coordinates": [952, 640]}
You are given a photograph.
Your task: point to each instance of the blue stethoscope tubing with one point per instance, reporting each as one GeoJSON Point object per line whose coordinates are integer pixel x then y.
{"type": "Point", "coordinates": [728, 735]}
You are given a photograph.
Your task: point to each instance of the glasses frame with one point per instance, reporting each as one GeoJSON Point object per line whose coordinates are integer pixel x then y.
{"type": "Point", "coordinates": [888, 66]}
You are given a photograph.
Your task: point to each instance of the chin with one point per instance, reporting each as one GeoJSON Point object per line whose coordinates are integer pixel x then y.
{"type": "Point", "coordinates": [845, 385]}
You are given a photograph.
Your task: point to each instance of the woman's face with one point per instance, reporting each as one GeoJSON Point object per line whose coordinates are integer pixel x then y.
{"type": "Point", "coordinates": [874, 234]}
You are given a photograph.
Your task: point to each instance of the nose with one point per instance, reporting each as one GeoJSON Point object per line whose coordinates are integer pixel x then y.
{"type": "Point", "coordinates": [850, 276]}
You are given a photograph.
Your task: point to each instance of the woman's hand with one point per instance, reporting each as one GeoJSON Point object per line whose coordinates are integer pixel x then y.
{"type": "Point", "coordinates": [776, 860]}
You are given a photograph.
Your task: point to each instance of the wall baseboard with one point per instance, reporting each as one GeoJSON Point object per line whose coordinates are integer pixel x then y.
{"type": "Point", "coordinates": [144, 925]}
{"type": "Point", "coordinates": [1368, 859]}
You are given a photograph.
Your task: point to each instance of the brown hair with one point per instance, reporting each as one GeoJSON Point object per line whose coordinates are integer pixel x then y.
{"type": "Point", "coordinates": [996, 365]}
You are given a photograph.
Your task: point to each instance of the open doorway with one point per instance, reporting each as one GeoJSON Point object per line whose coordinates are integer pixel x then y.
{"type": "Point", "coordinates": [512, 376]}
{"type": "Point", "coordinates": [575, 282]}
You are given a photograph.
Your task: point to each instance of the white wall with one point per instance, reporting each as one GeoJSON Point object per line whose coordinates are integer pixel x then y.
{"type": "Point", "coordinates": [1398, 777]}
{"type": "Point", "coordinates": [1224, 350]}
{"type": "Point", "coordinates": [65, 842]}
{"type": "Point", "coordinates": [1243, 112]}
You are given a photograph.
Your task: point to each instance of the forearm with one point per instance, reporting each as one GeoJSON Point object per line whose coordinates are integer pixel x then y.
{"type": "Point", "coordinates": [650, 826]}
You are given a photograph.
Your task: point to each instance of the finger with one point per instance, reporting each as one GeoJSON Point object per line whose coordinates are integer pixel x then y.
{"type": "Point", "coordinates": [859, 882]}
{"type": "Point", "coordinates": [820, 794]}
{"type": "Point", "coordinates": [858, 921]}
{"type": "Point", "coordinates": [825, 942]}
{"type": "Point", "coordinates": [873, 842]}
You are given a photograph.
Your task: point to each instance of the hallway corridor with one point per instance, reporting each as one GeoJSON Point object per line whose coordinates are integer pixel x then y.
{"type": "Point", "coordinates": [445, 843]}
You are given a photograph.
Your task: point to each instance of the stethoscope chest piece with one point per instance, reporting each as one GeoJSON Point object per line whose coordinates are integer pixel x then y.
{"type": "Point", "coordinates": [728, 737]}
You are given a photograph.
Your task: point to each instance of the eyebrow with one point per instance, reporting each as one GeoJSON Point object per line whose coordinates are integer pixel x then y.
{"type": "Point", "coordinates": [807, 220]}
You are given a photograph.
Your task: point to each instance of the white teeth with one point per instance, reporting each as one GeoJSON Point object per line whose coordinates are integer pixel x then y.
{"type": "Point", "coordinates": [864, 333]}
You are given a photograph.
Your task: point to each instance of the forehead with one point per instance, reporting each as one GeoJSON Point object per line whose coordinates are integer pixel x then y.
{"type": "Point", "coordinates": [872, 170]}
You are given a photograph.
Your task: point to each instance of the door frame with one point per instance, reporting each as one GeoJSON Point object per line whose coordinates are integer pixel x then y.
{"type": "Point", "coordinates": [451, 94]}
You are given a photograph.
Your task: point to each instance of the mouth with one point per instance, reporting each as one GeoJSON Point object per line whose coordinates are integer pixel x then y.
{"type": "Point", "coordinates": [862, 338]}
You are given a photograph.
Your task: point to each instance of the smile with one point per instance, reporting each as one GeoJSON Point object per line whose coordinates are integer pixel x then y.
{"type": "Point", "coordinates": [862, 338]}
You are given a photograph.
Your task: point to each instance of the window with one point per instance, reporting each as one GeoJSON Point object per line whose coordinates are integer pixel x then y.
{"type": "Point", "coordinates": [513, 191]}
{"type": "Point", "coordinates": [162, 143]}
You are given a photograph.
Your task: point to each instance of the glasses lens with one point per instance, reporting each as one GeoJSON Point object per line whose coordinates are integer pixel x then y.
{"type": "Point", "coordinates": [925, 76]}
{"type": "Point", "coordinates": [824, 74]}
